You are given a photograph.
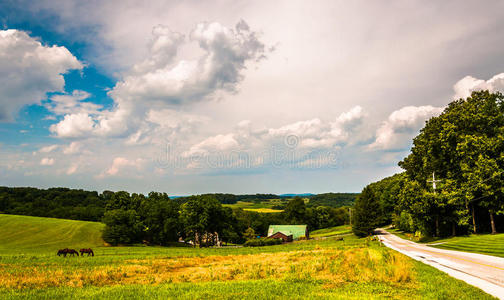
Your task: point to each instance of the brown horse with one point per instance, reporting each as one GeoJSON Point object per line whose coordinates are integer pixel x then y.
{"type": "Point", "coordinates": [89, 251]}
{"type": "Point", "coordinates": [66, 251]}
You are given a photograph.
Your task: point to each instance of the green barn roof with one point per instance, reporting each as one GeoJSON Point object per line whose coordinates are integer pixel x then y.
{"type": "Point", "coordinates": [297, 231]}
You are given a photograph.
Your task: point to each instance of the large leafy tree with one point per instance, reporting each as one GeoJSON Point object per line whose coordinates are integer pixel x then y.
{"type": "Point", "coordinates": [160, 218]}
{"type": "Point", "coordinates": [203, 219]}
{"type": "Point", "coordinates": [464, 147]}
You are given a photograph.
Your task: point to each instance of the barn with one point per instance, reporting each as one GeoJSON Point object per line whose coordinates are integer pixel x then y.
{"type": "Point", "coordinates": [296, 231]}
{"type": "Point", "coordinates": [279, 235]}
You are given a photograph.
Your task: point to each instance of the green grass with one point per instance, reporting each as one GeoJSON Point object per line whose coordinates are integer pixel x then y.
{"type": "Point", "coordinates": [316, 269]}
{"type": "Point", "coordinates": [332, 231]}
{"type": "Point", "coordinates": [24, 234]}
{"type": "Point", "coordinates": [491, 244]}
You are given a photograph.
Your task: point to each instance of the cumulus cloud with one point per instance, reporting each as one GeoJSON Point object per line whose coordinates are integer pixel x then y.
{"type": "Point", "coordinates": [47, 161]}
{"type": "Point", "coordinates": [401, 126]}
{"type": "Point", "coordinates": [226, 51]}
{"type": "Point", "coordinates": [465, 86]}
{"type": "Point", "coordinates": [159, 80]}
{"type": "Point", "coordinates": [73, 125]}
{"type": "Point", "coordinates": [304, 137]}
{"type": "Point", "coordinates": [121, 163]}
{"type": "Point", "coordinates": [29, 70]}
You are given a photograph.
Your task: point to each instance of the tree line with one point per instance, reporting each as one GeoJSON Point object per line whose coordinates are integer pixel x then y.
{"type": "Point", "coordinates": [462, 150]}
{"type": "Point", "coordinates": [201, 219]}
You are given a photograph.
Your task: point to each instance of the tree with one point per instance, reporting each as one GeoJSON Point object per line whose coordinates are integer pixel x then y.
{"type": "Point", "coordinates": [295, 211]}
{"type": "Point", "coordinates": [203, 219]}
{"type": "Point", "coordinates": [159, 216]}
{"type": "Point", "coordinates": [249, 234]}
{"type": "Point", "coordinates": [122, 227]}
{"type": "Point", "coordinates": [366, 213]}
{"type": "Point", "coordinates": [464, 146]}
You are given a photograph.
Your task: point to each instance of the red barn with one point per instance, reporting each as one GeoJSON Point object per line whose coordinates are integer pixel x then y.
{"type": "Point", "coordinates": [279, 235]}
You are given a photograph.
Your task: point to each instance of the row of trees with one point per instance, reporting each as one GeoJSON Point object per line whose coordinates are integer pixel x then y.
{"type": "Point", "coordinates": [201, 220]}
{"type": "Point", "coordinates": [464, 148]}
{"type": "Point", "coordinates": [54, 202]}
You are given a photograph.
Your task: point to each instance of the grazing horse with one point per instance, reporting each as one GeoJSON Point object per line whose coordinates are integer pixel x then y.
{"type": "Point", "coordinates": [66, 251]}
{"type": "Point", "coordinates": [89, 251]}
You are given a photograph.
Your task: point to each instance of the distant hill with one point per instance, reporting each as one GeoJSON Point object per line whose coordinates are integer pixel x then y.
{"type": "Point", "coordinates": [333, 199]}
{"type": "Point", "coordinates": [24, 233]}
{"type": "Point", "coordinates": [296, 195]}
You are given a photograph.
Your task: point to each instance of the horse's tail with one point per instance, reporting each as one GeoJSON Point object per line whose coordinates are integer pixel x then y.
{"type": "Point", "coordinates": [92, 253]}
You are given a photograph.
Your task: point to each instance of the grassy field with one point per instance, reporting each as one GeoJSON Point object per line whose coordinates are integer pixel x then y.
{"type": "Point", "coordinates": [492, 244]}
{"type": "Point", "coordinates": [31, 234]}
{"type": "Point", "coordinates": [332, 231]}
{"type": "Point", "coordinates": [328, 269]}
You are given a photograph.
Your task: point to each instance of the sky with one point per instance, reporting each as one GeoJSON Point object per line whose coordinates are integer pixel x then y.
{"type": "Point", "coordinates": [190, 97]}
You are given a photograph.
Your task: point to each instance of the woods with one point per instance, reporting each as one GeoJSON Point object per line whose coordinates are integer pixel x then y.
{"type": "Point", "coordinates": [463, 149]}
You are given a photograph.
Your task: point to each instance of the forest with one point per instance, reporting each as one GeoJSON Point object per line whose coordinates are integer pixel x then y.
{"type": "Point", "coordinates": [462, 151]}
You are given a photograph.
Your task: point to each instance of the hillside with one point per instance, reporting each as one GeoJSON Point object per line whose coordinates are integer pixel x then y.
{"type": "Point", "coordinates": [30, 234]}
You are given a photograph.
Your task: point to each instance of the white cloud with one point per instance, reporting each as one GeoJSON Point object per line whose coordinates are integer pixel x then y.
{"type": "Point", "coordinates": [159, 81]}
{"type": "Point", "coordinates": [72, 169]}
{"type": "Point", "coordinates": [47, 161]}
{"type": "Point", "coordinates": [73, 148]}
{"type": "Point", "coordinates": [220, 142]}
{"type": "Point", "coordinates": [29, 70]}
{"type": "Point", "coordinates": [121, 163]}
{"type": "Point", "coordinates": [48, 149]}
{"type": "Point", "coordinates": [219, 68]}
{"type": "Point", "coordinates": [72, 103]}
{"type": "Point", "coordinates": [303, 137]}
{"type": "Point", "coordinates": [73, 125]}
{"type": "Point", "coordinates": [401, 125]}
{"type": "Point", "coordinates": [465, 86]}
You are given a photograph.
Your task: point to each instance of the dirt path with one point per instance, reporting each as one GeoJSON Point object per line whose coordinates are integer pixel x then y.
{"type": "Point", "coordinates": [483, 271]}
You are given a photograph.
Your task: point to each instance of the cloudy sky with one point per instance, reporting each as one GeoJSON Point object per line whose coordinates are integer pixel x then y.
{"type": "Point", "coordinates": [231, 96]}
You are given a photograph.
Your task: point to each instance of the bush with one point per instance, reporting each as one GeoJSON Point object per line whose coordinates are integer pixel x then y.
{"type": "Point", "coordinates": [262, 242]}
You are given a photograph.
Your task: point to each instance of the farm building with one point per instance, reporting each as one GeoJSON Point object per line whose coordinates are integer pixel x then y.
{"type": "Point", "coordinates": [279, 235]}
{"type": "Point", "coordinates": [296, 231]}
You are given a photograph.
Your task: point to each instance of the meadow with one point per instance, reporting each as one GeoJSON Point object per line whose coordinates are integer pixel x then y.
{"type": "Point", "coordinates": [337, 267]}
{"type": "Point", "coordinates": [491, 244]}
{"type": "Point", "coordinates": [331, 231]}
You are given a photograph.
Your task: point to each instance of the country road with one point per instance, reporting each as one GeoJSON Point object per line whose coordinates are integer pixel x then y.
{"type": "Point", "coordinates": [483, 271]}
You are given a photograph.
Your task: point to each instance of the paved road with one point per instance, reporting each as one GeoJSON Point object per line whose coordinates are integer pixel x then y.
{"type": "Point", "coordinates": [484, 271]}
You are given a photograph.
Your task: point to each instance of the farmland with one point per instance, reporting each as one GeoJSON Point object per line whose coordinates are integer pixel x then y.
{"type": "Point", "coordinates": [329, 268]}
{"type": "Point", "coordinates": [264, 206]}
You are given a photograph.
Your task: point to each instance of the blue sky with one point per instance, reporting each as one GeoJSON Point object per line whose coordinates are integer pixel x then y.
{"type": "Point", "coordinates": [231, 96]}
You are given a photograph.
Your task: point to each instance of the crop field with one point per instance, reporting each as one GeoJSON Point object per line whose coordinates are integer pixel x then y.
{"type": "Point", "coordinates": [262, 207]}
{"type": "Point", "coordinates": [329, 268]}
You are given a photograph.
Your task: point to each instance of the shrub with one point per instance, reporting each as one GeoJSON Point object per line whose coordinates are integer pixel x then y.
{"type": "Point", "coordinates": [262, 242]}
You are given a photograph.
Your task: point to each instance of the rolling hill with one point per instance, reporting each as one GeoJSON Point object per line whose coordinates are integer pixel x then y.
{"type": "Point", "coordinates": [20, 234]}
